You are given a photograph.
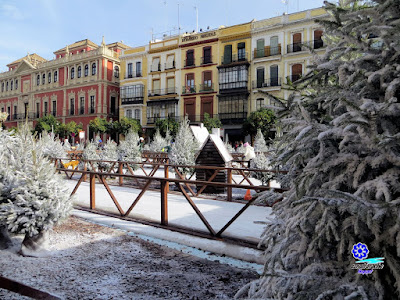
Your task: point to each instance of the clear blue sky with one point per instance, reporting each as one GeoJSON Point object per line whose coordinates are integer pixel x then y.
{"type": "Point", "coordinates": [44, 26]}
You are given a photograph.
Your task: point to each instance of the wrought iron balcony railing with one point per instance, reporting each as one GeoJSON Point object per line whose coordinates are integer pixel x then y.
{"type": "Point", "coordinates": [233, 85]}
{"type": "Point", "coordinates": [267, 51]}
{"type": "Point", "coordinates": [133, 75]}
{"type": "Point", "coordinates": [155, 68]}
{"type": "Point", "coordinates": [234, 58]}
{"type": "Point", "coordinates": [161, 92]}
{"type": "Point", "coordinates": [188, 90]}
{"type": "Point", "coordinates": [207, 60]}
{"type": "Point", "coordinates": [169, 66]}
{"type": "Point", "coordinates": [132, 100]}
{"type": "Point", "coordinates": [293, 78]}
{"type": "Point", "coordinates": [190, 62]}
{"type": "Point", "coordinates": [270, 82]}
{"type": "Point", "coordinates": [304, 46]}
{"type": "Point", "coordinates": [208, 87]}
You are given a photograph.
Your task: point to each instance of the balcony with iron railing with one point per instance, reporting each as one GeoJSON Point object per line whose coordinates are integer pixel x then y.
{"type": "Point", "coordinates": [237, 86]}
{"type": "Point", "coordinates": [162, 92]}
{"type": "Point", "coordinates": [293, 78]}
{"type": "Point", "coordinates": [132, 100]}
{"type": "Point", "coordinates": [267, 51]}
{"type": "Point", "coordinates": [206, 87]}
{"type": "Point", "coordinates": [133, 75]}
{"type": "Point", "coordinates": [155, 68]}
{"type": "Point", "coordinates": [189, 90]}
{"type": "Point", "coordinates": [206, 60]}
{"type": "Point", "coordinates": [169, 66]}
{"type": "Point", "coordinates": [234, 58]}
{"type": "Point", "coordinates": [232, 117]}
{"type": "Point", "coordinates": [304, 46]}
{"type": "Point", "coordinates": [30, 116]}
{"type": "Point", "coordinates": [189, 63]}
{"type": "Point", "coordinates": [269, 82]}
{"type": "Point", "coordinates": [153, 119]}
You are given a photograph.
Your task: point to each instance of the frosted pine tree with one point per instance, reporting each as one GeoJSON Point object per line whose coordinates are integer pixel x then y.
{"type": "Point", "coordinates": [259, 143]}
{"type": "Point", "coordinates": [184, 149]}
{"type": "Point", "coordinates": [158, 142]}
{"type": "Point", "coordinates": [91, 153]}
{"type": "Point", "coordinates": [67, 145]}
{"type": "Point", "coordinates": [37, 198]}
{"type": "Point", "coordinates": [343, 153]}
{"type": "Point", "coordinates": [128, 150]}
{"type": "Point", "coordinates": [109, 153]}
{"type": "Point", "coordinates": [51, 146]}
{"type": "Point", "coordinates": [229, 147]}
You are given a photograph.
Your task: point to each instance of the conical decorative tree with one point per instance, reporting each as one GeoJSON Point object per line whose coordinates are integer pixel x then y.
{"type": "Point", "coordinates": [109, 153]}
{"type": "Point", "coordinates": [184, 148]}
{"type": "Point", "coordinates": [91, 153]}
{"type": "Point", "coordinates": [259, 143]}
{"type": "Point", "coordinates": [128, 150]}
{"type": "Point", "coordinates": [67, 146]}
{"type": "Point", "coordinates": [51, 146]}
{"type": "Point", "coordinates": [158, 142]}
{"type": "Point", "coordinates": [343, 153]}
{"type": "Point", "coordinates": [37, 198]}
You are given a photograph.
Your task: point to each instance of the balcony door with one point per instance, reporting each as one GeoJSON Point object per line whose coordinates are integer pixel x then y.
{"type": "Point", "coordinates": [318, 43]}
{"type": "Point", "coordinates": [273, 71]}
{"type": "Point", "coordinates": [297, 71]}
{"type": "Point", "coordinates": [260, 77]}
{"type": "Point", "coordinates": [274, 45]}
{"type": "Point", "coordinates": [227, 54]}
{"type": "Point", "coordinates": [189, 83]}
{"type": "Point", "coordinates": [260, 48]}
{"type": "Point", "coordinates": [113, 106]}
{"type": "Point", "coordinates": [296, 42]}
{"type": "Point", "coordinates": [206, 106]}
{"type": "Point", "coordinates": [190, 109]}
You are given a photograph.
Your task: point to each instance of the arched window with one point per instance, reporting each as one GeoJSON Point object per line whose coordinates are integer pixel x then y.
{"type": "Point", "coordinates": [116, 72]}
{"type": "Point", "coordinates": [72, 73]}
{"type": "Point", "coordinates": [297, 71]}
{"type": "Point", "coordinates": [79, 72]}
{"type": "Point", "coordinates": [43, 78]}
{"type": "Point", "coordinates": [259, 103]}
{"type": "Point", "coordinates": [11, 85]}
{"type": "Point", "coordinates": [38, 80]}
{"type": "Point", "coordinates": [55, 76]}
{"type": "Point", "coordinates": [86, 70]}
{"type": "Point", "coordinates": [49, 77]}
{"type": "Point", "coordinates": [128, 113]}
{"type": "Point", "coordinates": [94, 69]}
{"type": "Point", "coordinates": [137, 114]}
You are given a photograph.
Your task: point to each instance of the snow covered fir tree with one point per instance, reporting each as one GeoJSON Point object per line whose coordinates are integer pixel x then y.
{"type": "Point", "coordinates": [342, 147]}
{"type": "Point", "coordinates": [33, 197]}
{"type": "Point", "coordinates": [128, 150]}
{"type": "Point", "coordinates": [158, 142]}
{"type": "Point", "coordinates": [184, 149]}
{"type": "Point", "coordinates": [51, 145]}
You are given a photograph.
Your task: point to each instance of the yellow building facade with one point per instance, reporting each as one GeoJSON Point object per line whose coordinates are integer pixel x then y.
{"type": "Point", "coordinates": [133, 83]}
{"type": "Point", "coordinates": [199, 76]}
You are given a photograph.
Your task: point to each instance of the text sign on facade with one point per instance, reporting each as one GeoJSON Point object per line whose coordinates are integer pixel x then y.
{"type": "Point", "coordinates": [197, 37]}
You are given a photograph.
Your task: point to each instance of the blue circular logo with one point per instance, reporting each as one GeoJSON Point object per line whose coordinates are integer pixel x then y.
{"type": "Point", "coordinates": [360, 251]}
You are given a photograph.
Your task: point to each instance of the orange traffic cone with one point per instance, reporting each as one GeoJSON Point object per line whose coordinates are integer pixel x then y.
{"type": "Point", "coordinates": [247, 196]}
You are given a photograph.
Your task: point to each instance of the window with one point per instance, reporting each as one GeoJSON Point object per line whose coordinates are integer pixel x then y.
{"type": "Point", "coordinates": [241, 51]}
{"type": "Point", "coordinates": [2, 87]}
{"type": "Point", "coordinates": [137, 114]}
{"type": "Point", "coordinates": [79, 72]}
{"type": "Point", "coordinates": [318, 43]}
{"type": "Point", "coordinates": [259, 103]}
{"type": "Point", "coordinates": [43, 78]}
{"type": "Point", "coordinates": [72, 106]}
{"type": "Point", "coordinates": [132, 94]}
{"type": "Point", "coordinates": [54, 108]}
{"type": "Point", "coordinates": [130, 70]}
{"type": "Point", "coordinates": [296, 42]}
{"type": "Point", "coordinates": [273, 72]}
{"type": "Point", "coordinates": [37, 110]}
{"type": "Point", "coordinates": [232, 107]}
{"type": "Point", "coordinates": [16, 84]}
{"type": "Point", "coordinates": [170, 85]}
{"type": "Point", "coordinates": [94, 69]}
{"type": "Point", "coordinates": [9, 113]}
{"type": "Point", "coordinates": [260, 77]}
{"type": "Point", "coordinates": [86, 70]}
{"type": "Point", "coordinates": [190, 83]}
{"type": "Point", "coordinates": [55, 76]}
{"type": "Point", "coordinates": [128, 113]}
{"type": "Point", "coordinates": [189, 58]}
{"type": "Point", "coordinates": [7, 86]}
{"type": "Point", "coordinates": [72, 73]}
{"type": "Point", "coordinates": [207, 81]}
{"type": "Point", "coordinates": [274, 45]}
{"type": "Point", "coordinates": [82, 105]}
{"type": "Point", "coordinates": [15, 111]}
{"type": "Point", "coordinates": [155, 65]}
{"type": "Point", "coordinates": [138, 69]}
{"type": "Point", "coordinates": [170, 62]}
{"type": "Point", "coordinates": [11, 85]}
{"type": "Point", "coordinates": [116, 72]}
{"type": "Point", "coordinates": [297, 71]}
{"type": "Point", "coordinates": [207, 55]}
{"type": "Point", "coordinates": [260, 48]}
{"type": "Point", "coordinates": [46, 108]}
{"type": "Point", "coordinates": [233, 77]}
{"type": "Point", "coordinates": [92, 104]}
{"type": "Point", "coordinates": [227, 54]}
{"type": "Point", "coordinates": [38, 80]}
{"type": "Point", "coordinates": [171, 108]}
{"type": "Point", "coordinates": [156, 87]}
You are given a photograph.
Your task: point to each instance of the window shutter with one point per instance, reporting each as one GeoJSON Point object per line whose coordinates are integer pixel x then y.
{"type": "Point", "coordinates": [227, 54]}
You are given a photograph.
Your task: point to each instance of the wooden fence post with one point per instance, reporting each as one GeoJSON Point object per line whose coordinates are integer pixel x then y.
{"type": "Point", "coordinates": [121, 179]}
{"type": "Point", "coordinates": [164, 202]}
{"type": "Point", "coordinates": [84, 169]}
{"type": "Point", "coordinates": [92, 191]}
{"type": "Point", "coordinates": [229, 189]}
{"type": "Point", "coordinates": [166, 176]}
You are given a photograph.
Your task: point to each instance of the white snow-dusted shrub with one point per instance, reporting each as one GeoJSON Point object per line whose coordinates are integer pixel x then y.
{"type": "Point", "coordinates": [260, 161]}
{"type": "Point", "coordinates": [229, 147]}
{"type": "Point", "coordinates": [184, 148]}
{"type": "Point", "coordinates": [66, 145]}
{"type": "Point", "coordinates": [37, 198]}
{"type": "Point", "coordinates": [342, 150]}
{"type": "Point", "coordinates": [109, 153]}
{"type": "Point", "coordinates": [129, 150]}
{"type": "Point", "coordinates": [91, 153]}
{"type": "Point", "coordinates": [259, 143]}
{"type": "Point", "coordinates": [158, 142]}
{"type": "Point", "coordinates": [51, 146]}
